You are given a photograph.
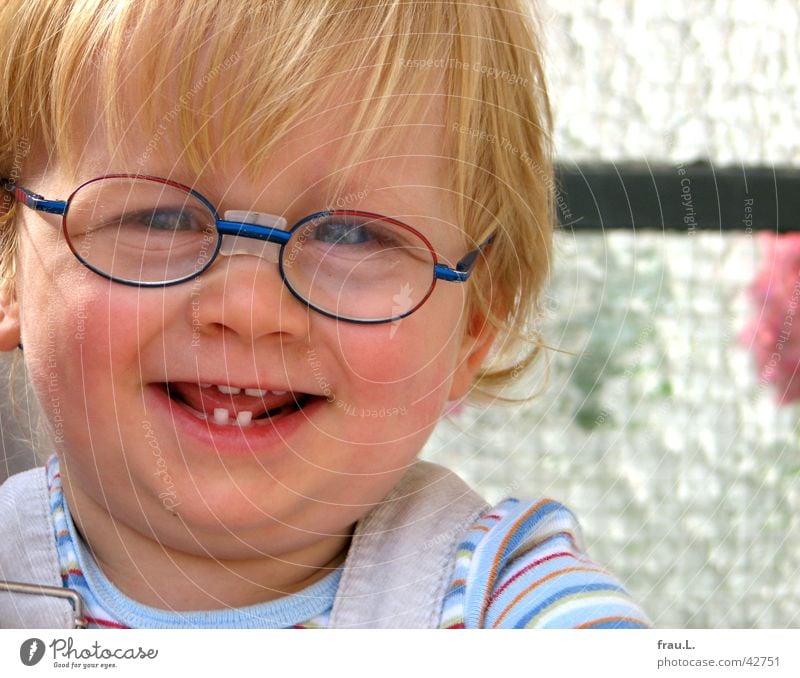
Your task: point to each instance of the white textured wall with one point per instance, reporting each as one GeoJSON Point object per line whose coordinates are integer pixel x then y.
{"type": "Point", "coordinates": [676, 80]}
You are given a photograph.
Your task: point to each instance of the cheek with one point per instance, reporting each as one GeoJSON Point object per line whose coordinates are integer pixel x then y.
{"type": "Point", "coordinates": [83, 355]}
{"type": "Point", "coordinates": [418, 349]}
{"type": "Point", "coordinates": [83, 337]}
{"type": "Point", "coordinates": [394, 379]}
{"type": "Point", "coordinates": [92, 330]}
{"type": "Point", "coordinates": [394, 359]}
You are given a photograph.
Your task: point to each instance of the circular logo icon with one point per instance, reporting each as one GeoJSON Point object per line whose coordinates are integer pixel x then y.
{"type": "Point", "coordinates": [31, 651]}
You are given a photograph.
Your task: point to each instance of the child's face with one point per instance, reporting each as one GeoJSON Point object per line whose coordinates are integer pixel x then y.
{"type": "Point", "coordinates": [99, 354]}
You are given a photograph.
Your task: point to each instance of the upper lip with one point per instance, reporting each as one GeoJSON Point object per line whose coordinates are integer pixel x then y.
{"type": "Point", "coordinates": [243, 384]}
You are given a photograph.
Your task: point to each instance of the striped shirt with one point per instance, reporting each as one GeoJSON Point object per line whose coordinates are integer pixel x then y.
{"type": "Point", "coordinates": [520, 565]}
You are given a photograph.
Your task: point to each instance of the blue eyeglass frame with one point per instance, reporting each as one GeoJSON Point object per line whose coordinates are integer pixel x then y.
{"type": "Point", "coordinates": [36, 202]}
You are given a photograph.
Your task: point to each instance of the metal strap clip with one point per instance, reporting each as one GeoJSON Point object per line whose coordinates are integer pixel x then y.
{"type": "Point", "coordinates": [59, 592]}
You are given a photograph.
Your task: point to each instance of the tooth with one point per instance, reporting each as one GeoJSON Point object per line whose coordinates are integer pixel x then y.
{"type": "Point", "coordinates": [255, 391]}
{"type": "Point", "coordinates": [279, 392]}
{"type": "Point", "coordinates": [244, 417]}
{"type": "Point", "coordinates": [221, 415]}
{"type": "Point", "coordinates": [229, 390]}
{"type": "Point", "coordinates": [204, 385]}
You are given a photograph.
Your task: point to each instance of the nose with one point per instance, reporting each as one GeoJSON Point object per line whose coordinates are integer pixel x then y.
{"type": "Point", "coordinates": [243, 293]}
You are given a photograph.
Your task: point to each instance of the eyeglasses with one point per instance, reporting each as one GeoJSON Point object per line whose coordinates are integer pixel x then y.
{"type": "Point", "coordinates": [148, 232]}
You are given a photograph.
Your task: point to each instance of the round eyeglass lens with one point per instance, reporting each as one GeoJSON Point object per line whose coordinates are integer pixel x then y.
{"type": "Point", "coordinates": [358, 266]}
{"type": "Point", "coordinates": [140, 230]}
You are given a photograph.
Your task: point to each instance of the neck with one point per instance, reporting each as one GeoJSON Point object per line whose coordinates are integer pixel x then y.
{"type": "Point", "coordinates": [156, 575]}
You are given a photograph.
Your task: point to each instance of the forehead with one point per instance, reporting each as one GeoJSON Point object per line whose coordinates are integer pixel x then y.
{"type": "Point", "coordinates": [324, 145]}
{"type": "Point", "coordinates": [322, 159]}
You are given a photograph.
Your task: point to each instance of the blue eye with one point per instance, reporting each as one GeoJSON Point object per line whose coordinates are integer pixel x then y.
{"type": "Point", "coordinates": [342, 233]}
{"type": "Point", "coordinates": [163, 220]}
{"type": "Point", "coordinates": [154, 221]}
{"type": "Point", "coordinates": [339, 230]}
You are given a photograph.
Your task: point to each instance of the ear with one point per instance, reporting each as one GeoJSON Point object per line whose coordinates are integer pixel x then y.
{"type": "Point", "coordinates": [478, 339]}
{"type": "Point", "coordinates": [9, 320]}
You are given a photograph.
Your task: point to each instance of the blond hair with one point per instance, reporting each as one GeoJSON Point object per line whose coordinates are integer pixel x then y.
{"type": "Point", "coordinates": [283, 59]}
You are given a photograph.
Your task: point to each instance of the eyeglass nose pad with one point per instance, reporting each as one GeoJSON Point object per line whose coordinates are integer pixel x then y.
{"type": "Point", "coordinates": [238, 244]}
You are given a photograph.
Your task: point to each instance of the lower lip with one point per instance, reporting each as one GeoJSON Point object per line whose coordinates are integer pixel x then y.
{"type": "Point", "coordinates": [230, 439]}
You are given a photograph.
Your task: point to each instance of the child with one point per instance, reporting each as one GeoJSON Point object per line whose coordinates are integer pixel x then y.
{"type": "Point", "coordinates": [250, 251]}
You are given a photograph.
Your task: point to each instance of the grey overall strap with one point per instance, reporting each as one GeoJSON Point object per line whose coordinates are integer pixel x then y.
{"type": "Point", "coordinates": [28, 556]}
{"type": "Point", "coordinates": [403, 552]}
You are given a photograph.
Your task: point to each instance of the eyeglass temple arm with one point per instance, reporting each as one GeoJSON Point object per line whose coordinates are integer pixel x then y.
{"type": "Point", "coordinates": [464, 266]}
{"type": "Point", "coordinates": [33, 200]}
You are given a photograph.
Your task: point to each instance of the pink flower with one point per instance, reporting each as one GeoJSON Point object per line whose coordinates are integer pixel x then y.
{"type": "Point", "coordinates": [772, 333]}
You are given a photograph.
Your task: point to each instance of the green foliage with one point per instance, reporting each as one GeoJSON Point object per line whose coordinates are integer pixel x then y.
{"type": "Point", "coordinates": [613, 329]}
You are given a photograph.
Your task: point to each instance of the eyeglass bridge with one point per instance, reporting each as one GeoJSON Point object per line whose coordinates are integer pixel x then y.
{"type": "Point", "coordinates": [238, 239]}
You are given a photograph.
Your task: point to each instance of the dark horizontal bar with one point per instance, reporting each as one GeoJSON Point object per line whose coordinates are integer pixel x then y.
{"type": "Point", "coordinates": [685, 198]}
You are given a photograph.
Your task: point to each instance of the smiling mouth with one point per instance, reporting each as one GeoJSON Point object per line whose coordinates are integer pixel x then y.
{"type": "Point", "coordinates": [227, 406]}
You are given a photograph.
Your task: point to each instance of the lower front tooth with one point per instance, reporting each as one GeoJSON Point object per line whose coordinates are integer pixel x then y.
{"type": "Point", "coordinates": [221, 415]}
{"type": "Point", "coordinates": [244, 417]}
